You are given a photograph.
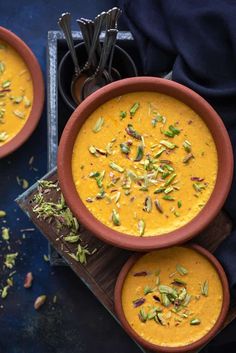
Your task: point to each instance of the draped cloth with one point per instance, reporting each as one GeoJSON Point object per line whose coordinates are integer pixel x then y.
{"type": "Point", "coordinates": [197, 40]}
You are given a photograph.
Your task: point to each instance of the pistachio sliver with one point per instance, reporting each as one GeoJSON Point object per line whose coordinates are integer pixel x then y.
{"type": "Point", "coordinates": [195, 322]}
{"type": "Point", "coordinates": [130, 131]}
{"type": "Point", "coordinates": [205, 288]}
{"type": "Point", "coordinates": [115, 218]}
{"type": "Point", "coordinates": [181, 270]}
{"type": "Point", "coordinates": [116, 167]}
{"type": "Point", "coordinates": [141, 227]}
{"type": "Point", "coordinates": [168, 144]}
{"type": "Point", "coordinates": [99, 123]}
{"type": "Point", "coordinates": [188, 157]}
{"type": "Point", "coordinates": [169, 181]}
{"type": "Point", "coordinates": [125, 148]}
{"type": "Point", "coordinates": [72, 239]}
{"type": "Point", "coordinates": [147, 204]}
{"type": "Point", "coordinates": [19, 114]}
{"type": "Point", "coordinates": [3, 136]}
{"type": "Point", "coordinates": [134, 109]}
{"type": "Point", "coordinates": [187, 146]}
{"type": "Point", "coordinates": [158, 206]}
{"type": "Point", "coordinates": [140, 152]}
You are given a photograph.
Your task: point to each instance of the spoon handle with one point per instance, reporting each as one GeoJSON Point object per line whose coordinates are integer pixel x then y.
{"type": "Point", "coordinates": [85, 34]}
{"type": "Point", "coordinates": [109, 41]}
{"type": "Point", "coordinates": [115, 13]}
{"type": "Point", "coordinates": [97, 29]}
{"type": "Point", "coordinates": [64, 23]}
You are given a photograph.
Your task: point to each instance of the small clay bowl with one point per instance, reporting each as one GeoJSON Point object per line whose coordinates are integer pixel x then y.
{"type": "Point", "coordinates": [188, 348]}
{"type": "Point", "coordinates": [38, 91]}
{"type": "Point", "coordinates": [190, 98]}
{"type": "Point", "coordinates": [121, 61]}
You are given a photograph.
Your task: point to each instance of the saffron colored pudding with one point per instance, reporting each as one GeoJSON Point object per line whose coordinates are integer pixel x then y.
{"type": "Point", "coordinates": [16, 93]}
{"type": "Point", "coordinates": [172, 297]}
{"type": "Point", "coordinates": [144, 164]}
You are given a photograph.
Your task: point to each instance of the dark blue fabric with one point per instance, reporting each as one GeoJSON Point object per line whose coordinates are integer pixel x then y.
{"type": "Point", "coordinates": [197, 40]}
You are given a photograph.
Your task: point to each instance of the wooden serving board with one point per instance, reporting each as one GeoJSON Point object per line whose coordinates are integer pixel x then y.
{"type": "Point", "coordinates": [102, 268]}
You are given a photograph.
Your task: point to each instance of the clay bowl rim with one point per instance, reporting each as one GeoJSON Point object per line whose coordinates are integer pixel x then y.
{"type": "Point", "coordinates": [62, 62]}
{"type": "Point", "coordinates": [205, 216]}
{"type": "Point", "coordinates": [192, 346]}
{"type": "Point", "coordinates": [38, 91]}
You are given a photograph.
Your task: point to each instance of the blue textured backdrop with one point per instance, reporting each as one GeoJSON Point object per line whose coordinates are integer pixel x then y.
{"type": "Point", "coordinates": [78, 322]}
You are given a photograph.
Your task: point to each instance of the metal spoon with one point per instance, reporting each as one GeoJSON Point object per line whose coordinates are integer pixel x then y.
{"type": "Point", "coordinates": [64, 23]}
{"type": "Point", "coordinates": [101, 76]}
{"type": "Point", "coordinates": [114, 13]}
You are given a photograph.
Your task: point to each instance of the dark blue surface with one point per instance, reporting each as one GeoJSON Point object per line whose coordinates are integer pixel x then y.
{"type": "Point", "coordinates": [78, 322]}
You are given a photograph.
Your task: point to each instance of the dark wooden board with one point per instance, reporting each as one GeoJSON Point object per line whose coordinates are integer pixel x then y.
{"type": "Point", "coordinates": [102, 268]}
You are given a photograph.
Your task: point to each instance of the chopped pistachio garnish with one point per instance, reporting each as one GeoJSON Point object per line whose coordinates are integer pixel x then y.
{"type": "Point", "coordinates": [158, 206]}
{"type": "Point", "coordinates": [187, 146]}
{"type": "Point", "coordinates": [188, 157]}
{"type": "Point", "coordinates": [130, 131]}
{"type": "Point", "coordinates": [158, 154]}
{"type": "Point", "coordinates": [143, 315]}
{"type": "Point", "coordinates": [27, 102]}
{"type": "Point", "coordinates": [182, 270]}
{"type": "Point", "coordinates": [134, 108]}
{"type": "Point", "coordinates": [205, 288]}
{"type": "Point", "coordinates": [5, 233]}
{"type": "Point", "coordinates": [122, 115]}
{"type": "Point", "coordinates": [17, 100]}
{"type": "Point", "coordinates": [169, 181]}
{"type": "Point", "coordinates": [140, 152]}
{"type": "Point", "coordinates": [99, 123]}
{"type": "Point", "coordinates": [19, 114]}
{"type": "Point", "coordinates": [4, 292]}
{"type": "Point", "coordinates": [2, 213]}
{"type": "Point", "coordinates": [3, 136]}
{"type": "Point", "coordinates": [179, 204]}
{"type": "Point", "coordinates": [125, 148]}
{"type": "Point", "coordinates": [6, 84]}
{"type": "Point", "coordinates": [93, 150]}
{"type": "Point", "coordinates": [168, 144]}
{"type": "Point", "coordinates": [148, 204]}
{"type": "Point", "coordinates": [72, 238]}
{"type": "Point", "coordinates": [10, 260]}
{"type": "Point", "coordinates": [199, 187]}
{"type": "Point", "coordinates": [2, 67]}
{"type": "Point", "coordinates": [195, 322]}
{"type": "Point", "coordinates": [115, 218]}
{"type": "Point", "coordinates": [141, 227]}
{"type": "Point", "coordinates": [116, 167]}
{"type": "Point", "coordinates": [148, 290]}
{"type": "Point", "coordinates": [168, 198]}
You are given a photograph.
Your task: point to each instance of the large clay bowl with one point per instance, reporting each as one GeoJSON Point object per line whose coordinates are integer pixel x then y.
{"type": "Point", "coordinates": [38, 91]}
{"type": "Point", "coordinates": [193, 100]}
{"type": "Point", "coordinates": [188, 348]}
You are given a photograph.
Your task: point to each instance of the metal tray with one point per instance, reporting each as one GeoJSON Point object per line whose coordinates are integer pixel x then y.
{"type": "Point", "coordinates": [57, 111]}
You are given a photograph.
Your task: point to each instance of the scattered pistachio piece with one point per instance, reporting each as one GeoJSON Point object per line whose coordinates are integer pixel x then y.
{"type": "Point", "coordinates": [19, 114]}
{"type": "Point", "coordinates": [181, 270]}
{"type": "Point", "coordinates": [141, 227]}
{"type": "Point", "coordinates": [122, 115]}
{"type": "Point", "coordinates": [188, 157]}
{"type": "Point", "coordinates": [139, 154]}
{"type": "Point", "coordinates": [158, 206]}
{"type": "Point", "coordinates": [28, 280]}
{"type": "Point", "coordinates": [134, 108]}
{"type": "Point", "coordinates": [130, 131]}
{"type": "Point", "coordinates": [168, 144]}
{"type": "Point", "coordinates": [205, 288]}
{"type": "Point", "coordinates": [2, 213]}
{"type": "Point", "coordinates": [4, 292]}
{"type": "Point", "coordinates": [116, 167]}
{"type": "Point", "coordinates": [115, 218]}
{"type": "Point", "coordinates": [97, 127]}
{"type": "Point", "coordinates": [148, 204]}
{"type": "Point", "coordinates": [3, 136]}
{"type": "Point", "coordinates": [72, 238]}
{"type": "Point", "coordinates": [5, 233]}
{"type": "Point", "coordinates": [195, 322]}
{"type": "Point", "coordinates": [10, 260]}
{"type": "Point", "coordinates": [40, 301]}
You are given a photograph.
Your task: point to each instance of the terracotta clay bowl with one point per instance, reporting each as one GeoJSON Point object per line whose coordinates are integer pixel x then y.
{"type": "Point", "coordinates": [38, 91]}
{"type": "Point", "coordinates": [188, 348]}
{"type": "Point", "coordinates": [193, 100]}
